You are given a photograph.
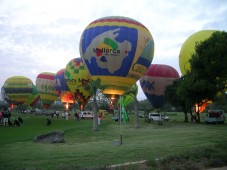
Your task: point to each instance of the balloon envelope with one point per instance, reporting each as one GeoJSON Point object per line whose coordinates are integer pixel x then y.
{"type": "Point", "coordinates": [154, 82]}
{"type": "Point", "coordinates": [45, 85]}
{"type": "Point", "coordinates": [130, 97]}
{"type": "Point", "coordinates": [77, 77]}
{"type": "Point", "coordinates": [62, 88]}
{"type": "Point", "coordinates": [118, 50]}
{"type": "Point", "coordinates": [188, 48]}
{"type": "Point", "coordinates": [18, 89]}
{"type": "Point", "coordinates": [33, 97]}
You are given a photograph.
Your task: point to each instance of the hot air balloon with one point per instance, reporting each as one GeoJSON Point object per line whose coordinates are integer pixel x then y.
{"type": "Point", "coordinates": [63, 90]}
{"type": "Point", "coordinates": [18, 89]}
{"type": "Point", "coordinates": [33, 97]}
{"type": "Point", "coordinates": [77, 77]}
{"type": "Point", "coordinates": [154, 82]}
{"type": "Point", "coordinates": [118, 50]}
{"type": "Point", "coordinates": [45, 85]}
{"type": "Point", "coordinates": [188, 48]}
{"type": "Point", "coordinates": [202, 107]}
{"type": "Point", "coordinates": [129, 97]}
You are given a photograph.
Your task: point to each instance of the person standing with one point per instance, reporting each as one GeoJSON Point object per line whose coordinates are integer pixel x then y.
{"type": "Point", "coordinates": [5, 118]}
{"type": "Point", "coordinates": [63, 115]}
{"type": "Point", "coordinates": [99, 119]}
{"type": "Point", "coordinates": [66, 115]}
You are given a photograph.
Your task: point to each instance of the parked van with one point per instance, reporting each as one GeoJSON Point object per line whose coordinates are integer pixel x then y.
{"type": "Point", "coordinates": [215, 116]}
{"type": "Point", "coordinates": [86, 114]}
{"type": "Point", "coordinates": [158, 117]}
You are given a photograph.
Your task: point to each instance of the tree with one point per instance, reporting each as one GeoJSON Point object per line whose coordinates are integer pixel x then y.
{"type": "Point", "coordinates": [93, 86]}
{"type": "Point", "coordinates": [4, 105]}
{"type": "Point", "coordinates": [208, 68]}
{"type": "Point", "coordinates": [174, 99]}
{"type": "Point", "coordinates": [208, 75]}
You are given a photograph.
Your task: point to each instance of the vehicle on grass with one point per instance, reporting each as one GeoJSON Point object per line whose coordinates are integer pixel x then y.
{"type": "Point", "coordinates": [36, 111]}
{"type": "Point", "coordinates": [116, 116]}
{"type": "Point", "coordinates": [86, 115]}
{"type": "Point", "coordinates": [141, 114]}
{"type": "Point", "coordinates": [215, 116]}
{"type": "Point", "coordinates": [47, 112]}
{"type": "Point", "coordinates": [103, 112]}
{"type": "Point", "coordinates": [158, 117]}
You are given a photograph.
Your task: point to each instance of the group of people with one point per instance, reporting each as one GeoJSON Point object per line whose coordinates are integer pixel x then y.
{"type": "Point", "coordinates": [64, 115]}
{"type": "Point", "coordinates": [5, 119]}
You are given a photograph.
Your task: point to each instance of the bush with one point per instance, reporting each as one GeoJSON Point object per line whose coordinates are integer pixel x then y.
{"type": "Point", "coordinates": [52, 137]}
{"type": "Point", "coordinates": [196, 159]}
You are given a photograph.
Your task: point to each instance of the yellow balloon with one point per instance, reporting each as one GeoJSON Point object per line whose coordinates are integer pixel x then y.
{"type": "Point", "coordinates": [188, 48]}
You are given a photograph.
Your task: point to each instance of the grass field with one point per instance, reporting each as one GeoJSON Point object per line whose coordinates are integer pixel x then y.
{"type": "Point", "coordinates": [84, 147]}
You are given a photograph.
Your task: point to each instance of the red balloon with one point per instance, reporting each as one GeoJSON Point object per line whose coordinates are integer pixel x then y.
{"type": "Point", "coordinates": [155, 81]}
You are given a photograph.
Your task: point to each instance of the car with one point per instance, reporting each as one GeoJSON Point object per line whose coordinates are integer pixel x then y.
{"type": "Point", "coordinates": [141, 114]}
{"type": "Point", "coordinates": [158, 117]}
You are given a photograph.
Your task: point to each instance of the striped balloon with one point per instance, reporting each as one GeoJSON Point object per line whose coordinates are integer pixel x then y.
{"type": "Point", "coordinates": [33, 97]}
{"type": "Point", "coordinates": [45, 84]}
{"type": "Point", "coordinates": [18, 89]}
{"type": "Point", "coordinates": [118, 50]}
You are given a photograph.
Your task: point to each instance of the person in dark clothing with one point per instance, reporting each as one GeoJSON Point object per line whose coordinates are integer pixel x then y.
{"type": "Point", "coordinates": [48, 122]}
{"type": "Point", "coordinates": [20, 120]}
{"type": "Point", "coordinates": [16, 122]}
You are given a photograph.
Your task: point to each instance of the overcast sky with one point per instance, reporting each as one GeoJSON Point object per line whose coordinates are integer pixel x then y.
{"type": "Point", "coordinates": [43, 35]}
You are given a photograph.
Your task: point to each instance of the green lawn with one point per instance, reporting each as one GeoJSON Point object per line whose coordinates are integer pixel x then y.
{"type": "Point", "coordinates": [87, 148]}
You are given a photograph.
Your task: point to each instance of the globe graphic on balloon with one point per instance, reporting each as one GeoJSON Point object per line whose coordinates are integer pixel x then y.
{"type": "Point", "coordinates": [118, 50]}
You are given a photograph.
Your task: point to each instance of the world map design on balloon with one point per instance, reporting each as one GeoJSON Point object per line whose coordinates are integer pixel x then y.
{"type": "Point", "coordinates": [118, 50]}
{"type": "Point", "coordinates": [108, 50]}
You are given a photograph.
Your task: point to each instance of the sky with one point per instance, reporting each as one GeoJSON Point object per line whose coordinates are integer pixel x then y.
{"type": "Point", "coordinates": [43, 36]}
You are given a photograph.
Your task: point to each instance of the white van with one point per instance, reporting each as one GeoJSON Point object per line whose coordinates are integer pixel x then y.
{"type": "Point", "coordinates": [158, 117]}
{"type": "Point", "coordinates": [86, 114]}
{"type": "Point", "coordinates": [215, 116]}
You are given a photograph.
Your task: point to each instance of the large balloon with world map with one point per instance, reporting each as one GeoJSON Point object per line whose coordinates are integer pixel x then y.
{"type": "Point", "coordinates": [188, 48]}
{"type": "Point", "coordinates": [154, 82]}
{"type": "Point", "coordinates": [18, 89]}
{"type": "Point", "coordinates": [118, 50]}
